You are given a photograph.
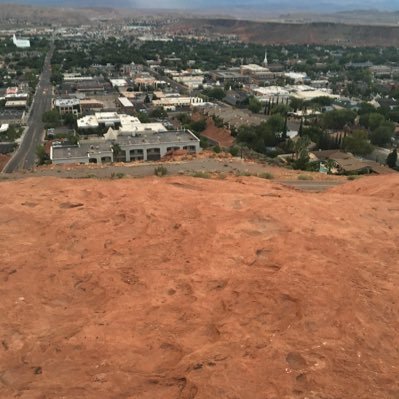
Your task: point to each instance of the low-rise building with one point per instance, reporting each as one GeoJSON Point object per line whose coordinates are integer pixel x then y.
{"type": "Point", "coordinates": [256, 71]}
{"type": "Point", "coordinates": [126, 105]}
{"type": "Point", "coordinates": [177, 101]}
{"type": "Point", "coordinates": [270, 93]}
{"type": "Point", "coordinates": [76, 77]}
{"type": "Point", "coordinates": [141, 147]}
{"type": "Point", "coordinates": [126, 123]}
{"type": "Point", "coordinates": [68, 106]}
{"type": "Point", "coordinates": [91, 104]}
{"type": "Point", "coordinates": [192, 82]}
{"type": "Point", "coordinates": [16, 104]}
{"type": "Point", "coordinates": [118, 82]}
{"type": "Point", "coordinates": [297, 77]}
{"type": "Point", "coordinates": [230, 77]}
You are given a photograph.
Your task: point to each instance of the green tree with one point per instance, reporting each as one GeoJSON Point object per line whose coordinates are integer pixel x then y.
{"type": "Point", "coordinates": [357, 143]}
{"type": "Point", "coordinates": [215, 93]}
{"type": "Point", "coordinates": [296, 104]}
{"type": "Point", "coordinates": [314, 133]}
{"type": "Point", "coordinates": [69, 120]}
{"type": "Point", "coordinates": [322, 101]}
{"type": "Point", "coordinates": [42, 156]}
{"type": "Point", "coordinates": [51, 118]}
{"type": "Point", "coordinates": [372, 121]}
{"type": "Point", "coordinates": [143, 117]}
{"type": "Point", "coordinates": [300, 130]}
{"type": "Point", "coordinates": [338, 119]}
{"type": "Point", "coordinates": [366, 108]}
{"type": "Point", "coordinates": [197, 126]}
{"type": "Point", "coordinates": [392, 158]}
{"type": "Point", "coordinates": [158, 113]}
{"type": "Point", "coordinates": [301, 153]}
{"type": "Point", "coordinates": [382, 135]}
{"type": "Point", "coordinates": [330, 163]}
{"type": "Point", "coordinates": [276, 123]}
{"type": "Point", "coordinates": [281, 109]}
{"type": "Point", "coordinates": [117, 151]}
{"type": "Point", "coordinates": [254, 105]}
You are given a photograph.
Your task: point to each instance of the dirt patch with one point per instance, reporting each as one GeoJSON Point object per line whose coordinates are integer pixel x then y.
{"type": "Point", "coordinates": [179, 287]}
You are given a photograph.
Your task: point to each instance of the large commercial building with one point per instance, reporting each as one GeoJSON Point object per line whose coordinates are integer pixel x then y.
{"type": "Point", "coordinates": [141, 147]}
{"type": "Point", "coordinates": [230, 77]}
{"type": "Point", "coordinates": [256, 71]}
{"type": "Point", "coordinates": [21, 43]}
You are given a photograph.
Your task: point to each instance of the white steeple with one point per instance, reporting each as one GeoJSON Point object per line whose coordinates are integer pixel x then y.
{"type": "Point", "coordinates": [265, 62]}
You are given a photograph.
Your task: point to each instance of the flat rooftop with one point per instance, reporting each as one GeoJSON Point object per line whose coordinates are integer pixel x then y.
{"type": "Point", "coordinates": [99, 146]}
{"type": "Point", "coordinates": [157, 138]}
{"type": "Point", "coordinates": [62, 152]}
{"type": "Point", "coordinates": [66, 102]}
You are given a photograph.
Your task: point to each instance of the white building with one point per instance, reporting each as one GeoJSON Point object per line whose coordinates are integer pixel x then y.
{"type": "Point", "coordinates": [270, 93]}
{"type": "Point", "coordinates": [21, 43]}
{"type": "Point", "coordinates": [192, 82]}
{"type": "Point", "coordinates": [126, 124]}
{"type": "Point", "coordinates": [308, 93]}
{"type": "Point", "coordinates": [118, 82]}
{"type": "Point", "coordinates": [76, 77]}
{"type": "Point", "coordinates": [168, 102]}
{"type": "Point", "coordinates": [297, 77]}
{"type": "Point", "coordinates": [68, 106]}
{"type": "Point", "coordinates": [4, 127]}
{"type": "Point", "coordinates": [16, 104]}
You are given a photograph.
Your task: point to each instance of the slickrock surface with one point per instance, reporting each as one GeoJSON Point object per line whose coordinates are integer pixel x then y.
{"type": "Point", "coordinates": [187, 288]}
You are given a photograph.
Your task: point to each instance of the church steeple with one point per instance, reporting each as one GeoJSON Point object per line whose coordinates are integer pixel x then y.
{"type": "Point", "coordinates": [265, 61]}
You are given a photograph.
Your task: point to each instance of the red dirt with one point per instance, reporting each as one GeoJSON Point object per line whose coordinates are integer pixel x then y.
{"type": "Point", "coordinates": [373, 187]}
{"type": "Point", "coordinates": [191, 288]}
{"type": "Point", "coordinates": [3, 160]}
{"type": "Point", "coordinates": [220, 135]}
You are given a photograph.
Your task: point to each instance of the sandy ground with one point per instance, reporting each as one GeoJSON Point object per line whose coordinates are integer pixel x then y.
{"type": "Point", "coordinates": [187, 288]}
{"type": "Point", "coordinates": [4, 158]}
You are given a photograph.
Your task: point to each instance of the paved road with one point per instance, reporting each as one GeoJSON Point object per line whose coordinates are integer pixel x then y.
{"type": "Point", "coordinates": [25, 156]}
{"type": "Point", "coordinates": [180, 168]}
{"type": "Point", "coordinates": [177, 87]}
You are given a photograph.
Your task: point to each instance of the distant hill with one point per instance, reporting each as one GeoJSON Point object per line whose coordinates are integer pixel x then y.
{"type": "Point", "coordinates": [302, 33]}
{"type": "Point", "coordinates": [20, 15]}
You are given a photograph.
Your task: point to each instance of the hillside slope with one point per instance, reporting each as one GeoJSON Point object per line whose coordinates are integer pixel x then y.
{"type": "Point", "coordinates": [322, 33]}
{"type": "Point", "coordinates": [191, 288]}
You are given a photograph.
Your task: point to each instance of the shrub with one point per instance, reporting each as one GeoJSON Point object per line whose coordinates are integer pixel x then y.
{"type": "Point", "coordinates": [118, 175]}
{"type": "Point", "coordinates": [234, 151]}
{"type": "Point", "coordinates": [160, 171]}
{"type": "Point", "coordinates": [217, 149]}
{"type": "Point", "coordinates": [202, 175]}
{"type": "Point", "coordinates": [305, 177]}
{"type": "Point", "coordinates": [243, 173]}
{"type": "Point", "coordinates": [266, 175]}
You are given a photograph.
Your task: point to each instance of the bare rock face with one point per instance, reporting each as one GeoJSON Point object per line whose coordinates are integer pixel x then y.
{"type": "Point", "coordinates": [193, 288]}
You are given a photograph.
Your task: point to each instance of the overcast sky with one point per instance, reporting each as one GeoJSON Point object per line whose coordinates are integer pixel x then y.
{"type": "Point", "coordinates": [306, 5]}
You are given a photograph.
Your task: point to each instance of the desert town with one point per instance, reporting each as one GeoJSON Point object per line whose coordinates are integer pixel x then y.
{"type": "Point", "coordinates": [110, 93]}
{"type": "Point", "coordinates": [198, 203]}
